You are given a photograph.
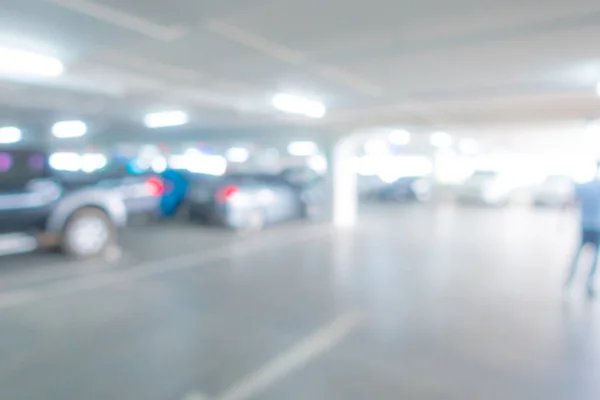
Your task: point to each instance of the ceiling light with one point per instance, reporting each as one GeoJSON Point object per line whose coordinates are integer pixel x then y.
{"type": "Point", "coordinates": [69, 129]}
{"type": "Point", "coordinates": [206, 164]}
{"type": "Point", "coordinates": [303, 149]}
{"type": "Point", "coordinates": [440, 139]}
{"type": "Point", "coordinates": [399, 137]}
{"type": "Point", "coordinates": [237, 154]}
{"type": "Point", "coordinates": [298, 105]}
{"type": "Point", "coordinates": [10, 134]}
{"type": "Point", "coordinates": [91, 162]}
{"type": "Point", "coordinates": [65, 161]}
{"type": "Point", "coordinates": [468, 146]}
{"type": "Point", "coordinates": [24, 63]}
{"type": "Point", "coordinates": [165, 119]}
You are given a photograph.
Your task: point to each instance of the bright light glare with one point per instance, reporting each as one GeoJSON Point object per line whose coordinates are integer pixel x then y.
{"type": "Point", "coordinates": [165, 119]}
{"type": "Point", "coordinates": [178, 162]}
{"type": "Point", "coordinates": [303, 149]}
{"type": "Point", "coordinates": [69, 129]}
{"type": "Point", "coordinates": [24, 63]}
{"type": "Point", "coordinates": [395, 168]}
{"type": "Point", "coordinates": [376, 146]}
{"type": "Point", "coordinates": [368, 165]}
{"type": "Point", "coordinates": [440, 139]}
{"type": "Point", "coordinates": [200, 163]}
{"type": "Point", "coordinates": [468, 146]}
{"type": "Point", "coordinates": [298, 105]}
{"type": "Point", "coordinates": [159, 164]}
{"type": "Point", "coordinates": [237, 154]}
{"type": "Point", "coordinates": [399, 137]}
{"type": "Point", "coordinates": [10, 134]}
{"type": "Point", "coordinates": [65, 161]}
{"type": "Point", "coordinates": [318, 163]}
{"type": "Point", "coordinates": [91, 162]}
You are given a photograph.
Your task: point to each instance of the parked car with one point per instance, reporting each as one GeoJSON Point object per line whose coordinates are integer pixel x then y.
{"type": "Point", "coordinates": [486, 187]}
{"type": "Point", "coordinates": [139, 192]}
{"type": "Point", "coordinates": [555, 191]}
{"type": "Point", "coordinates": [248, 201]}
{"type": "Point", "coordinates": [79, 215]}
{"type": "Point", "coordinates": [410, 188]}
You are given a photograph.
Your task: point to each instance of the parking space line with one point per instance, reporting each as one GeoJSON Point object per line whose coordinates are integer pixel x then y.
{"type": "Point", "coordinates": [144, 270]}
{"type": "Point", "coordinates": [294, 358]}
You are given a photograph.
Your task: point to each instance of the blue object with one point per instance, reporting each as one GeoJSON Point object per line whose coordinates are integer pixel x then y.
{"type": "Point", "coordinates": [588, 195]}
{"type": "Point", "coordinates": [176, 186]}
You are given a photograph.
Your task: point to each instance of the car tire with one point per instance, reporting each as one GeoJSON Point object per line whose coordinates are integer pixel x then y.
{"type": "Point", "coordinates": [89, 232]}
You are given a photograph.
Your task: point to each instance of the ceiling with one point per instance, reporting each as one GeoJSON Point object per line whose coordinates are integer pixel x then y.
{"type": "Point", "coordinates": [432, 63]}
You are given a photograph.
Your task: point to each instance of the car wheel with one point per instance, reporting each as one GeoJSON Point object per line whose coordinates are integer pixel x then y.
{"type": "Point", "coordinates": [88, 232]}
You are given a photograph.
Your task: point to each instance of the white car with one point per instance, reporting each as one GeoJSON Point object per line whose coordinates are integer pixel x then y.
{"type": "Point", "coordinates": [486, 187]}
{"type": "Point", "coordinates": [555, 191]}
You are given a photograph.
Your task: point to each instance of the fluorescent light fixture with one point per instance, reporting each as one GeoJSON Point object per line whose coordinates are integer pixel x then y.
{"type": "Point", "coordinates": [10, 134]}
{"type": "Point", "coordinates": [440, 139]}
{"type": "Point", "coordinates": [399, 137]}
{"type": "Point", "coordinates": [303, 149]}
{"type": "Point", "coordinates": [65, 161]}
{"type": "Point", "coordinates": [165, 119]}
{"type": "Point", "coordinates": [237, 154]}
{"type": "Point", "coordinates": [91, 162]}
{"type": "Point", "coordinates": [299, 105]}
{"type": "Point", "coordinates": [69, 129]}
{"type": "Point", "coordinates": [24, 63]}
{"type": "Point", "coordinates": [207, 164]}
{"type": "Point", "coordinates": [468, 146]}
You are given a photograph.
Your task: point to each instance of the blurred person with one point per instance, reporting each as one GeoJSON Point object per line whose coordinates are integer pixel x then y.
{"type": "Point", "coordinates": [587, 196]}
{"type": "Point", "coordinates": [176, 186]}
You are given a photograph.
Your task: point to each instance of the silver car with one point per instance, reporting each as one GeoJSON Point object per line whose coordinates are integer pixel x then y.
{"type": "Point", "coordinates": [247, 201]}
{"type": "Point", "coordinates": [487, 188]}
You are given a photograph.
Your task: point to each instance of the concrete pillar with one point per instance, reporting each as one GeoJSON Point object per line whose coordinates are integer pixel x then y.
{"type": "Point", "coordinates": [341, 182]}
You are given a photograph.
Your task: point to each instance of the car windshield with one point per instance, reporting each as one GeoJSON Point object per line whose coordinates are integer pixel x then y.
{"type": "Point", "coordinates": [21, 166]}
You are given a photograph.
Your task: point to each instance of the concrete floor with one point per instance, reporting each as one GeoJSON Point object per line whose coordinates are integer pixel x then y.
{"type": "Point", "coordinates": [415, 303]}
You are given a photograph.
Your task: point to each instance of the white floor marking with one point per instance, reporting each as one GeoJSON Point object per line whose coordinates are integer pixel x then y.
{"type": "Point", "coordinates": [140, 271]}
{"type": "Point", "coordinates": [292, 359]}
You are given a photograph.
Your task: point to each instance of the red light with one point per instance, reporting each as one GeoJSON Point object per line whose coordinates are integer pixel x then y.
{"type": "Point", "coordinates": [226, 193]}
{"type": "Point", "coordinates": [155, 187]}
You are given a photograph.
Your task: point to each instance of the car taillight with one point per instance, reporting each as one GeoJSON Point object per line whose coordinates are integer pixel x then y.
{"type": "Point", "coordinates": [225, 194]}
{"type": "Point", "coordinates": [155, 186]}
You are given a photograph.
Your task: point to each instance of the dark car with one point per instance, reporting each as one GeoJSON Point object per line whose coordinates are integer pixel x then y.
{"type": "Point", "coordinates": [141, 193]}
{"type": "Point", "coordinates": [78, 214]}
{"type": "Point", "coordinates": [247, 201]}
{"type": "Point", "coordinates": [410, 188]}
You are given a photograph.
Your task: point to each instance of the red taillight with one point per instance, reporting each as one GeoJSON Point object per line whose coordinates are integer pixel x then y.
{"type": "Point", "coordinates": [225, 194]}
{"type": "Point", "coordinates": [155, 186]}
